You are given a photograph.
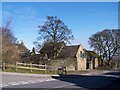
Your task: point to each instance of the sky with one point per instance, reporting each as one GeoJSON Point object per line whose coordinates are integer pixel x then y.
{"type": "Point", "coordinates": [83, 18]}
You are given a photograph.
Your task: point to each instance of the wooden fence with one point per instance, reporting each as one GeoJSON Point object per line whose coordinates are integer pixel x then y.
{"type": "Point", "coordinates": [31, 67]}
{"type": "Point", "coordinates": [24, 66]}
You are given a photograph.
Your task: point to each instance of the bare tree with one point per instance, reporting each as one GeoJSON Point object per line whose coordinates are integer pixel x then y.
{"type": "Point", "coordinates": [8, 48]}
{"type": "Point", "coordinates": [106, 43]}
{"type": "Point", "coordinates": [54, 30]}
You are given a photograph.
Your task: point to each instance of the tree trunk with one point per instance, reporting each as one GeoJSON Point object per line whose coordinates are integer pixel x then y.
{"type": "Point", "coordinates": [101, 62]}
{"type": "Point", "coordinates": [108, 63]}
{"type": "Point", "coordinates": [55, 49]}
{"type": "Point", "coordinates": [55, 44]}
{"type": "Point", "coordinates": [109, 58]}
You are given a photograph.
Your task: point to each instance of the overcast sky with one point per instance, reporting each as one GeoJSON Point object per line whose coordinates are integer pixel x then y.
{"type": "Point", "coordinates": [83, 18]}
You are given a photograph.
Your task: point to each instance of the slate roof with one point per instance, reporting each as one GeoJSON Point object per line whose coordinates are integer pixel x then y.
{"type": "Point", "coordinates": [66, 52]}
{"type": "Point", "coordinates": [48, 48]}
{"type": "Point", "coordinates": [69, 52]}
{"type": "Point", "coordinates": [92, 54]}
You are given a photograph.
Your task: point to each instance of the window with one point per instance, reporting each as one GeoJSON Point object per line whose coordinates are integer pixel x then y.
{"type": "Point", "coordinates": [81, 54]}
{"type": "Point", "coordinates": [84, 55]}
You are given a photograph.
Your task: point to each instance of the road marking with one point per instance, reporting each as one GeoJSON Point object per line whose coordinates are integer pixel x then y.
{"type": "Point", "coordinates": [33, 82]}
{"type": "Point", "coordinates": [25, 82]}
{"type": "Point", "coordinates": [0, 85]}
{"type": "Point", "coordinates": [65, 86]}
{"type": "Point", "coordinates": [13, 83]}
{"type": "Point", "coordinates": [4, 85]}
{"type": "Point", "coordinates": [30, 81]}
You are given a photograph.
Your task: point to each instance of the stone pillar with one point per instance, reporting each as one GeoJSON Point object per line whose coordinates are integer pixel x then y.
{"type": "Point", "coordinates": [96, 62]}
{"type": "Point", "coordinates": [91, 64]}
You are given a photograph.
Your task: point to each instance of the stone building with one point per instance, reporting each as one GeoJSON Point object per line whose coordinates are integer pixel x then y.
{"type": "Point", "coordinates": [80, 58]}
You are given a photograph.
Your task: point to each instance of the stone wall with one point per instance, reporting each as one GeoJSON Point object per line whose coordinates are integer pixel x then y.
{"type": "Point", "coordinates": [96, 62]}
{"type": "Point", "coordinates": [69, 63]}
{"type": "Point", "coordinates": [81, 61]}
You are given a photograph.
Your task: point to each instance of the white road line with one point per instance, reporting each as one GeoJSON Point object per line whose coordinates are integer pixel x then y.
{"type": "Point", "coordinates": [30, 81]}
{"type": "Point", "coordinates": [50, 79]}
{"type": "Point", "coordinates": [0, 84]}
{"type": "Point", "coordinates": [33, 82]}
{"type": "Point", "coordinates": [65, 86]}
{"type": "Point", "coordinates": [15, 84]}
{"type": "Point", "coordinates": [4, 85]}
{"type": "Point", "coordinates": [26, 82]}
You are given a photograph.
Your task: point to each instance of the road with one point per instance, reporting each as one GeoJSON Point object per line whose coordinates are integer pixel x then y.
{"type": "Point", "coordinates": [83, 81]}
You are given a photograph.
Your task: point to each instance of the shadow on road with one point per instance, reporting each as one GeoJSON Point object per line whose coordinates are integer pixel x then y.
{"type": "Point", "coordinates": [113, 73]}
{"type": "Point", "coordinates": [92, 82]}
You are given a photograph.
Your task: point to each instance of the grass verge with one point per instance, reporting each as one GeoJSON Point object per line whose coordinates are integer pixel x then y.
{"type": "Point", "coordinates": [41, 71]}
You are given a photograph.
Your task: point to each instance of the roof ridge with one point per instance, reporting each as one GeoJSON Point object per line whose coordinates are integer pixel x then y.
{"type": "Point", "coordinates": [17, 44]}
{"type": "Point", "coordinates": [72, 45]}
{"type": "Point", "coordinates": [24, 46]}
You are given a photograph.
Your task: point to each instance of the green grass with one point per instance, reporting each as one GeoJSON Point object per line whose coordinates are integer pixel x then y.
{"type": "Point", "coordinates": [29, 71]}
{"type": "Point", "coordinates": [41, 71]}
{"type": "Point", "coordinates": [76, 72]}
{"type": "Point", "coordinates": [51, 71]}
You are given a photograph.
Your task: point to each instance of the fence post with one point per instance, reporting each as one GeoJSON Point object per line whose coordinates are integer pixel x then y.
{"type": "Point", "coordinates": [54, 69]}
{"type": "Point", "coordinates": [16, 66]}
{"type": "Point", "coordinates": [3, 66]}
{"type": "Point", "coordinates": [45, 68]}
{"type": "Point", "coordinates": [30, 67]}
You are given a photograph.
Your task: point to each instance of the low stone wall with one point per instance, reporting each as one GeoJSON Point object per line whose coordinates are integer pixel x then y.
{"type": "Point", "coordinates": [69, 63]}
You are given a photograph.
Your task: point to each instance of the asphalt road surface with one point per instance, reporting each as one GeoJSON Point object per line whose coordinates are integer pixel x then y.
{"type": "Point", "coordinates": [89, 81]}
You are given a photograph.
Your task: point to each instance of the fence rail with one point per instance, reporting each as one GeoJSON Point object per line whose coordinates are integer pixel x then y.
{"type": "Point", "coordinates": [24, 66]}
{"type": "Point", "coordinates": [31, 67]}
